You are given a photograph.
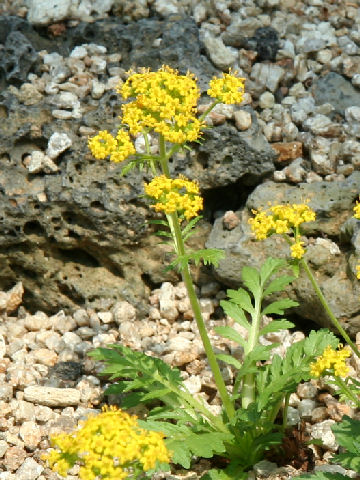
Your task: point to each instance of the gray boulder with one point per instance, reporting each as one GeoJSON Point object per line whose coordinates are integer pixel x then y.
{"type": "Point", "coordinates": [334, 267]}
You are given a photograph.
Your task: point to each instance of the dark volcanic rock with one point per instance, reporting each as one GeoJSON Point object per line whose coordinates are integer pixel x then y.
{"type": "Point", "coordinates": [336, 90]}
{"type": "Point", "coordinates": [17, 58]}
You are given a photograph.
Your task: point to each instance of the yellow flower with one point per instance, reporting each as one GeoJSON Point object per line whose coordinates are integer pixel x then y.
{"type": "Point", "coordinates": [164, 101]}
{"type": "Point", "coordinates": [331, 360]}
{"type": "Point", "coordinates": [104, 145]}
{"type": "Point", "coordinates": [108, 446]}
{"type": "Point", "coordinates": [358, 271]}
{"type": "Point", "coordinates": [175, 195]}
{"type": "Point", "coordinates": [357, 210]}
{"type": "Point", "coordinates": [297, 250]}
{"type": "Point", "coordinates": [282, 219]}
{"type": "Point", "coordinates": [228, 89]}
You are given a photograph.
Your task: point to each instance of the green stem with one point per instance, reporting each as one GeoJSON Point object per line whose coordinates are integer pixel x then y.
{"type": "Point", "coordinates": [285, 411]}
{"type": "Point", "coordinates": [327, 308]}
{"type": "Point", "coordinates": [208, 110]}
{"type": "Point", "coordinates": [346, 390]}
{"type": "Point", "coordinates": [175, 229]}
{"type": "Point", "coordinates": [248, 390]}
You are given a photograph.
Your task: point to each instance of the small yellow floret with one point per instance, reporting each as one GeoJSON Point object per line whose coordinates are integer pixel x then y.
{"type": "Point", "coordinates": [297, 250]}
{"type": "Point", "coordinates": [228, 89]}
{"type": "Point", "coordinates": [357, 210]}
{"type": "Point", "coordinates": [331, 360]}
{"type": "Point", "coordinates": [175, 195]}
{"type": "Point", "coordinates": [358, 271]}
{"type": "Point", "coordinates": [118, 148]}
{"type": "Point", "coordinates": [109, 446]}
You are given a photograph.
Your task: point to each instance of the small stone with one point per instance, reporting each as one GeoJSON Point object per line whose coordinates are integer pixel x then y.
{"type": "Point", "coordinates": [266, 100]}
{"type": "Point", "coordinates": [222, 57]}
{"type": "Point", "coordinates": [30, 434]}
{"type": "Point", "coordinates": [319, 414]}
{"type": "Point", "coordinates": [242, 119]}
{"type": "Point", "coordinates": [322, 431]}
{"type": "Point", "coordinates": [79, 52]}
{"type": "Point", "coordinates": [287, 151]}
{"type": "Point", "coordinates": [267, 75]}
{"type": "Point", "coordinates": [14, 457]}
{"type": "Point", "coordinates": [28, 94]}
{"type": "Point", "coordinates": [3, 448]}
{"type": "Point", "coordinates": [52, 397]}
{"type": "Point", "coordinates": [39, 162]}
{"type": "Point", "coordinates": [58, 143]}
{"type": "Point", "coordinates": [193, 384]}
{"type": "Point", "coordinates": [295, 172]}
{"type": "Point", "coordinates": [97, 89]}
{"type": "Point", "coordinates": [124, 312]}
{"type": "Point", "coordinates": [61, 114]}
{"type": "Point", "coordinates": [168, 308]}
{"type": "Point", "coordinates": [98, 65]}
{"type": "Point", "coordinates": [230, 220]}
{"type": "Point", "coordinates": [29, 470]}
{"type": "Point", "coordinates": [264, 467]}
{"type": "Point", "coordinates": [306, 407]}
{"type": "Point", "coordinates": [106, 317]}
{"type": "Point", "coordinates": [306, 390]}
{"type": "Point", "coordinates": [44, 356]}
{"type": "Point", "coordinates": [6, 392]}
{"type": "Point", "coordinates": [39, 321]}
{"type": "Point", "coordinates": [293, 417]}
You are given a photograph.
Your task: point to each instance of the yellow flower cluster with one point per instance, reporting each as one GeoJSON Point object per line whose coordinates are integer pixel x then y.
{"type": "Point", "coordinates": [175, 195]}
{"type": "Point", "coordinates": [164, 102]}
{"type": "Point", "coordinates": [109, 446]}
{"type": "Point", "coordinates": [118, 148]}
{"type": "Point", "coordinates": [228, 89]}
{"type": "Point", "coordinates": [282, 219]}
{"type": "Point", "coordinates": [331, 360]}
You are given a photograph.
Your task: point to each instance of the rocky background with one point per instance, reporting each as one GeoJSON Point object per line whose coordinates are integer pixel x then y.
{"type": "Point", "coordinates": [76, 251]}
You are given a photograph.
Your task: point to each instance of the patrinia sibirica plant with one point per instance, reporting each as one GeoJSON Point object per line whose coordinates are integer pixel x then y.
{"type": "Point", "coordinates": [164, 104]}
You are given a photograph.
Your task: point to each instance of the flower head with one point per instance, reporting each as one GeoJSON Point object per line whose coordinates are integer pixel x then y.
{"type": "Point", "coordinates": [333, 360]}
{"type": "Point", "coordinates": [282, 219]}
{"type": "Point", "coordinates": [109, 446]}
{"type": "Point", "coordinates": [164, 101]}
{"type": "Point", "coordinates": [175, 195]}
{"type": "Point", "coordinates": [358, 271]}
{"type": "Point", "coordinates": [357, 210]}
{"type": "Point", "coordinates": [118, 148]}
{"type": "Point", "coordinates": [228, 89]}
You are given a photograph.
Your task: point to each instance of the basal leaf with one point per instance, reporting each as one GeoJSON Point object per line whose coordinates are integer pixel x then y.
{"type": "Point", "coordinates": [347, 433]}
{"type": "Point", "coordinates": [279, 306]}
{"type": "Point", "coordinates": [241, 298]}
{"type": "Point", "coordinates": [231, 334]}
{"type": "Point", "coordinates": [229, 359]}
{"type": "Point", "coordinates": [275, 326]}
{"type": "Point", "coordinates": [236, 313]}
{"type": "Point", "coordinates": [251, 279]}
{"type": "Point", "coordinates": [278, 284]}
{"type": "Point", "coordinates": [269, 267]}
{"type": "Point", "coordinates": [322, 476]}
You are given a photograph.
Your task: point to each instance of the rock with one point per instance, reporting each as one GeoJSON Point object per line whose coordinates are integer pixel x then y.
{"type": "Point", "coordinates": [30, 434]}
{"type": "Point", "coordinates": [58, 143]}
{"type": "Point", "coordinates": [287, 151]}
{"type": "Point", "coordinates": [265, 42]}
{"type": "Point", "coordinates": [230, 220]}
{"type": "Point", "coordinates": [335, 89]}
{"type": "Point", "coordinates": [39, 162]}
{"type": "Point", "coordinates": [29, 470]}
{"type": "Point", "coordinates": [168, 308]}
{"type": "Point", "coordinates": [331, 267]}
{"type": "Point", "coordinates": [44, 12]}
{"type": "Point", "coordinates": [306, 407]}
{"type": "Point", "coordinates": [28, 94]}
{"type": "Point", "coordinates": [52, 397]}
{"type": "Point", "coordinates": [222, 57]}
{"type": "Point", "coordinates": [14, 457]}
{"type": "Point", "coordinates": [11, 300]}
{"type": "Point", "coordinates": [17, 58]}
{"type": "Point", "coordinates": [267, 75]}
{"type": "Point", "coordinates": [295, 172]}
{"type": "Point", "coordinates": [324, 155]}
{"type": "Point", "coordinates": [124, 312]}
{"type": "Point", "coordinates": [242, 119]}
{"type": "Point", "coordinates": [166, 7]}
{"type": "Point", "coordinates": [322, 431]}
{"type": "Point", "coordinates": [316, 37]}
{"type": "Point", "coordinates": [266, 100]}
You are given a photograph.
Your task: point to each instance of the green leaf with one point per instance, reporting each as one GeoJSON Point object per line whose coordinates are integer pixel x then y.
{"type": "Point", "coordinates": [278, 284]}
{"type": "Point", "coordinates": [251, 279]}
{"type": "Point", "coordinates": [269, 267]}
{"type": "Point", "coordinates": [236, 313]}
{"type": "Point", "coordinates": [275, 326]}
{"type": "Point", "coordinates": [188, 230]}
{"type": "Point", "coordinates": [279, 306]}
{"type": "Point", "coordinates": [231, 334]}
{"type": "Point", "coordinates": [229, 359]}
{"type": "Point", "coordinates": [241, 298]}
{"type": "Point", "coordinates": [207, 256]}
